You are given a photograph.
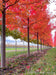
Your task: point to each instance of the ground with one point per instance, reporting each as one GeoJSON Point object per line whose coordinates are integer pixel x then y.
{"type": "Point", "coordinates": [46, 65]}
{"type": "Point", "coordinates": [39, 63]}
{"type": "Point", "coordinates": [19, 51]}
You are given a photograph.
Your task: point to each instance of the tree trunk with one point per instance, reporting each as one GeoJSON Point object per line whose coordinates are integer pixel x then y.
{"type": "Point", "coordinates": [41, 46]}
{"type": "Point", "coordinates": [28, 39]}
{"type": "Point", "coordinates": [37, 43]}
{"type": "Point", "coordinates": [3, 60]}
{"type": "Point", "coordinates": [15, 45]}
{"type": "Point", "coordinates": [23, 45]}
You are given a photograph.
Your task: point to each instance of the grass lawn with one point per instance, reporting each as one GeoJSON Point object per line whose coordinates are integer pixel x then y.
{"type": "Point", "coordinates": [18, 48]}
{"type": "Point", "coordinates": [16, 64]}
{"type": "Point", "coordinates": [45, 66]}
{"type": "Point", "coordinates": [36, 64]}
{"type": "Point", "coordinates": [15, 53]}
{"type": "Point", "coordinates": [14, 48]}
{"type": "Point", "coordinates": [10, 54]}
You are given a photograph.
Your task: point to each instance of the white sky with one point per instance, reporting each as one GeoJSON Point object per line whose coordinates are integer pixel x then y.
{"type": "Point", "coordinates": [10, 40]}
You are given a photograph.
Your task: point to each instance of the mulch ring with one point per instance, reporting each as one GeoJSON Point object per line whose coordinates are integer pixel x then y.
{"type": "Point", "coordinates": [19, 64]}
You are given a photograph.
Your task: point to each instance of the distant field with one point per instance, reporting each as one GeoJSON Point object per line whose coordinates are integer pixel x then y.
{"type": "Point", "coordinates": [18, 48]}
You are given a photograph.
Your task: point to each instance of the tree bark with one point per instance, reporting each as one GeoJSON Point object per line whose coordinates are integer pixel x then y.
{"type": "Point", "coordinates": [41, 46]}
{"type": "Point", "coordinates": [3, 60]}
{"type": "Point", "coordinates": [28, 39]}
{"type": "Point", "coordinates": [15, 45]}
{"type": "Point", "coordinates": [23, 45]}
{"type": "Point", "coordinates": [37, 43]}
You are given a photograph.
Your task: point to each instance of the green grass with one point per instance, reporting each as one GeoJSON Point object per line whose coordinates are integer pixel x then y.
{"type": "Point", "coordinates": [14, 48]}
{"type": "Point", "coordinates": [15, 53]}
{"type": "Point", "coordinates": [45, 66]}
{"type": "Point", "coordinates": [10, 54]}
{"type": "Point", "coordinates": [18, 48]}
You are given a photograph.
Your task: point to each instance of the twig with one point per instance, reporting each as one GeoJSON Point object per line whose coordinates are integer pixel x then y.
{"type": "Point", "coordinates": [12, 4]}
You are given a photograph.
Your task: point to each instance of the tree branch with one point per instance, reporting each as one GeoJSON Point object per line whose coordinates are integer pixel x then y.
{"type": "Point", "coordinates": [6, 1]}
{"type": "Point", "coordinates": [12, 4]}
{"type": "Point", "coordinates": [1, 10]}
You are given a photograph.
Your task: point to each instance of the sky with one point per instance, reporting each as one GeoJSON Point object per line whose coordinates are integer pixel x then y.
{"type": "Point", "coordinates": [11, 41]}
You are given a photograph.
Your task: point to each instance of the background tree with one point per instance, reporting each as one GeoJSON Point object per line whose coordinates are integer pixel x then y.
{"type": "Point", "coordinates": [33, 11]}
{"type": "Point", "coordinates": [4, 5]}
{"type": "Point", "coordinates": [16, 35]}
